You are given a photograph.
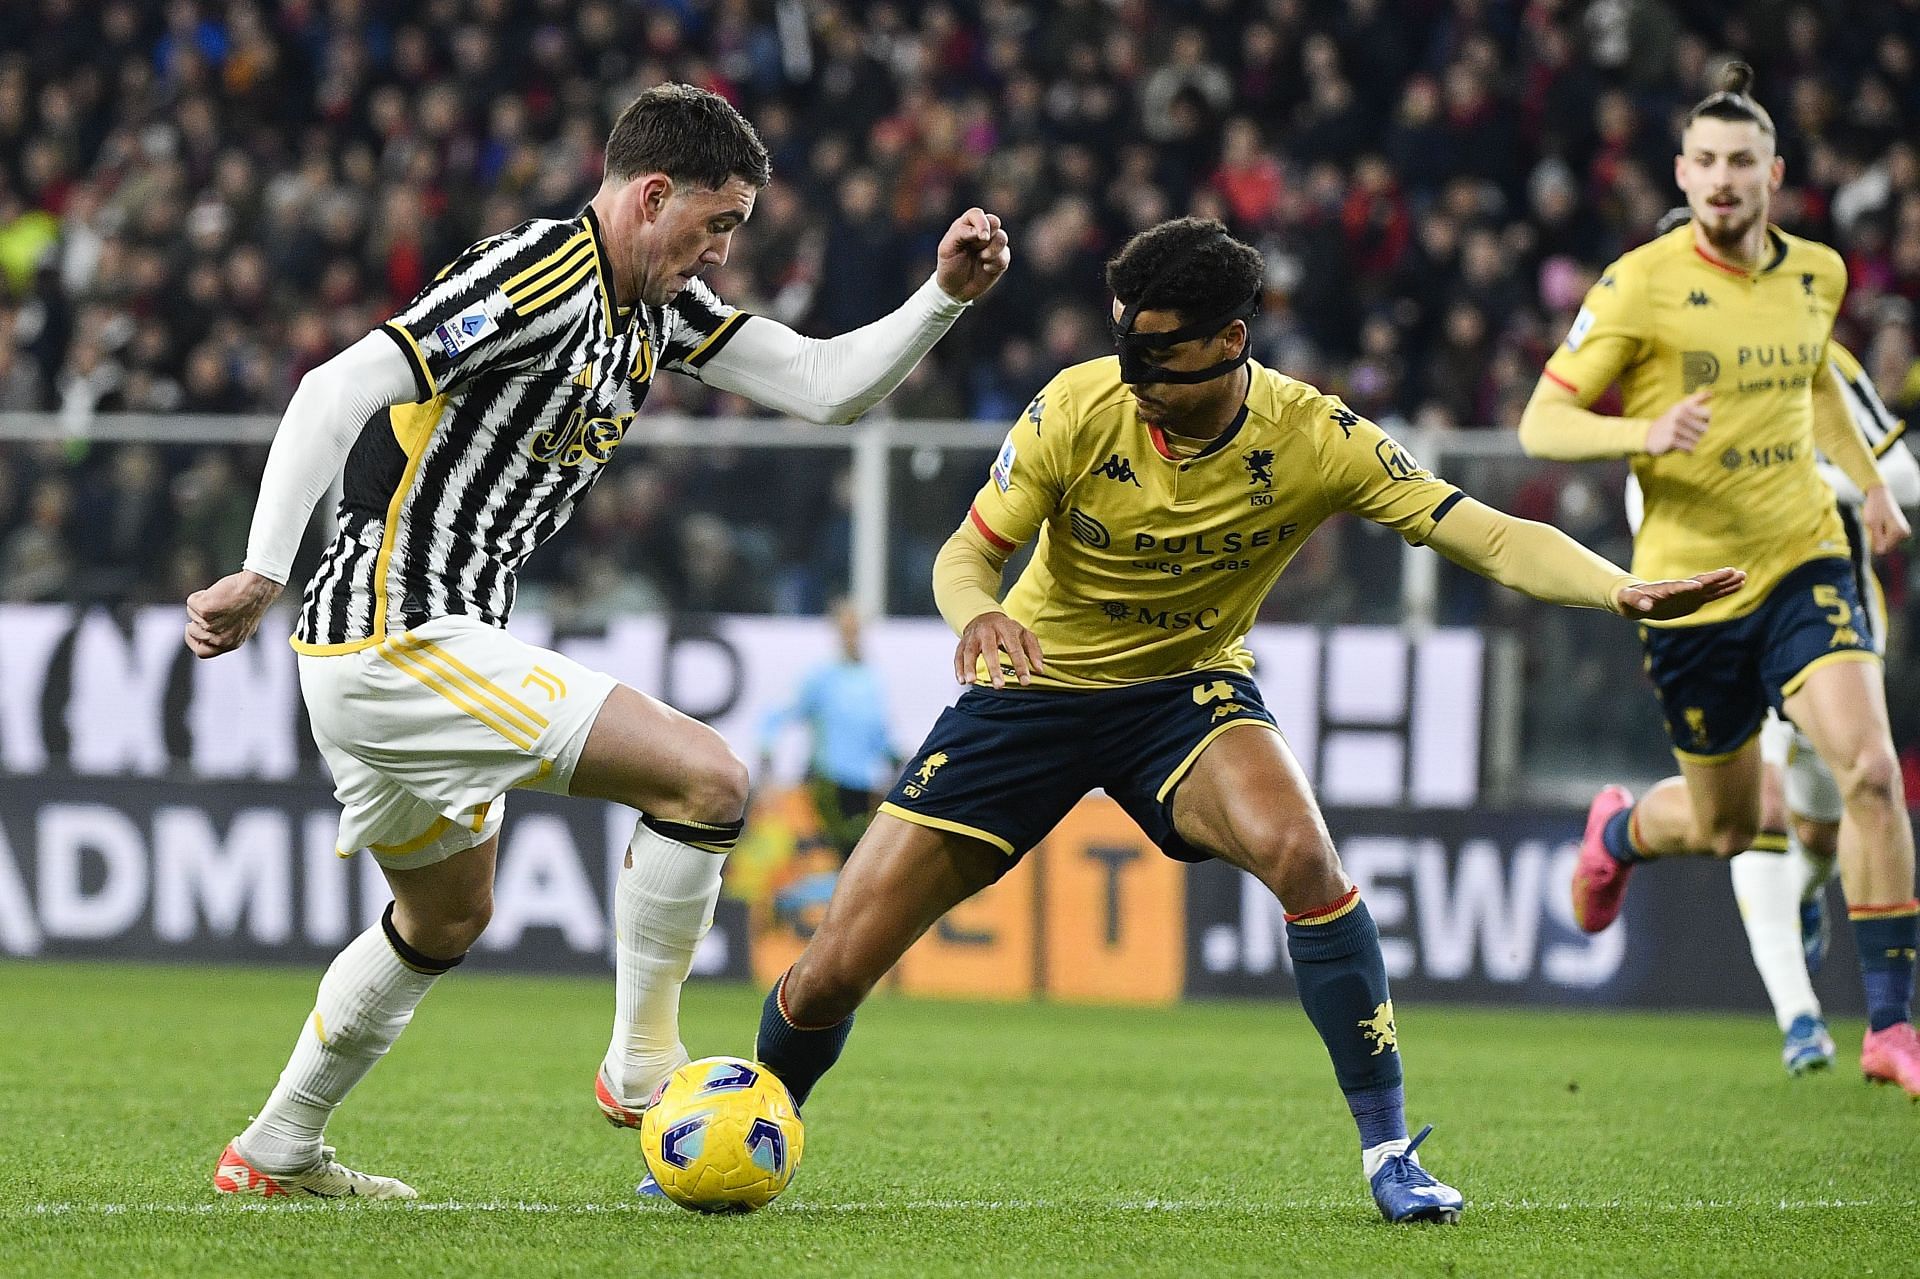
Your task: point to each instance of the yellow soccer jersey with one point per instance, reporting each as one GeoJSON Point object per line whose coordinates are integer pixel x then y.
{"type": "Point", "coordinates": [1151, 565]}
{"type": "Point", "coordinates": [1666, 320]}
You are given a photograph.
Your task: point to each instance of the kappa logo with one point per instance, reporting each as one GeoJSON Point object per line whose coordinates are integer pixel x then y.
{"type": "Point", "coordinates": [1806, 283]}
{"type": "Point", "coordinates": [1118, 468]}
{"type": "Point", "coordinates": [1225, 709]}
{"type": "Point", "coordinates": [1379, 1030]}
{"type": "Point", "coordinates": [1698, 298]}
{"type": "Point", "coordinates": [1035, 409]}
{"type": "Point", "coordinates": [1346, 419]}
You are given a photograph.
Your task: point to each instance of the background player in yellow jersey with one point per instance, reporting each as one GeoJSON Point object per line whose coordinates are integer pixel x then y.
{"type": "Point", "coordinates": [1780, 881]}
{"type": "Point", "coordinates": [1718, 332]}
{"type": "Point", "coordinates": [1168, 489]}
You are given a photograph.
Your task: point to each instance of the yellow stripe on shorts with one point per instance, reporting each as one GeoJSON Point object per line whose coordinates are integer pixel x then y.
{"type": "Point", "coordinates": [412, 664]}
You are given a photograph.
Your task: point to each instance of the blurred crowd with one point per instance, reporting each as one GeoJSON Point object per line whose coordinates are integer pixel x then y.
{"type": "Point", "coordinates": [200, 200]}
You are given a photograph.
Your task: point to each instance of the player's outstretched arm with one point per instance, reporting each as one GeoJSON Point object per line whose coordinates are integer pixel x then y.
{"type": "Point", "coordinates": [838, 379]}
{"type": "Point", "coordinates": [966, 585]}
{"type": "Point", "coordinates": [1541, 561]}
{"type": "Point", "coordinates": [316, 433]}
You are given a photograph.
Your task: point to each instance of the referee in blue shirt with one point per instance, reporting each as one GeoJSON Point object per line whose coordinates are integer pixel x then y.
{"type": "Point", "coordinates": [844, 707]}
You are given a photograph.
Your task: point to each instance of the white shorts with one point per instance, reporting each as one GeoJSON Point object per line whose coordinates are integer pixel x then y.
{"type": "Point", "coordinates": [1811, 791]}
{"type": "Point", "coordinates": [426, 731]}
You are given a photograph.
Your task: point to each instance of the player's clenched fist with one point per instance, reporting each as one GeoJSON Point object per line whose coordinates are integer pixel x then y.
{"type": "Point", "coordinates": [226, 614]}
{"type": "Point", "coordinates": [990, 635]}
{"type": "Point", "coordinates": [973, 254]}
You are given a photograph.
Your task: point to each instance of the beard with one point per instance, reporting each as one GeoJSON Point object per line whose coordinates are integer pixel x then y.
{"type": "Point", "coordinates": [1726, 232]}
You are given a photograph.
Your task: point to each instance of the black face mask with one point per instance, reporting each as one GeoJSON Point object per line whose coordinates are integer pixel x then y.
{"type": "Point", "coordinates": [1136, 350]}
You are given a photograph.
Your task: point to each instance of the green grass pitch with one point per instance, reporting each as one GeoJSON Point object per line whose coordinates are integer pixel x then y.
{"type": "Point", "coordinates": [955, 1139]}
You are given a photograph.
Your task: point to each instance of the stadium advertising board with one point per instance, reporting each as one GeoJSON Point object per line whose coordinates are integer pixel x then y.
{"type": "Point", "coordinates": [1469, 908]}
{"type": "Point", "coordinates": [153, 806]}
{"type": "Point", "coordinates": [1476, 907]}
{"type": "Point", "coordinates": [1377, 719]}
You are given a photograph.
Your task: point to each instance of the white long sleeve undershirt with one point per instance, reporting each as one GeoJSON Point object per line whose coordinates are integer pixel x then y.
{"type": "Point", "coordinates": [832, 379]}
{"type": "Point", "coordinates": [817, 379]}
{"type": "Point", "coordinates": [316, 433]}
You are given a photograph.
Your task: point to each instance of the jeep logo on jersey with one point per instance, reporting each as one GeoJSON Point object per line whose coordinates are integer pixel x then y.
{"type": "Point", "coordinates": [1698, 369]}
{"type": "Point", "coordinates": [1118, 468]}
{"type": "Point", "coordinates": [1398, 463]}
{"type": "Point", "coordinates": [1087, 530]}
{"type": "Point", "coordinates": [581, 439]}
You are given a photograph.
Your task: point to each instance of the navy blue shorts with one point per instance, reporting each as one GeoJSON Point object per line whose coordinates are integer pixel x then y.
{"type": "Point", "coordinates": [1005, 765]}
{"type": "Point", "coordinates": [1715, 682]}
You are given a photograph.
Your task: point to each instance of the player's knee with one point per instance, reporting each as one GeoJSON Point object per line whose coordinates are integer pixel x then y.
{"type": "Point", "coordinates": [452, 927]}
{"type": "Point", "coordinates": [1296, 860]}
{"type": "Point", "coordinates": [1872, 776]}
{"type": "Point", "coordinates": [1730, 839]}
{"type": "Point", "coordinates": [717, 789]}
{"type": "Point", "coordinates": [823, 990]}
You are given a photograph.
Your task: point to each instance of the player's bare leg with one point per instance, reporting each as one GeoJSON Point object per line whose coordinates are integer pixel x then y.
{"type": "Point", "coordinates": [901, 878]}
{"type": "Point", "coordinates": [1711, 809]}
{"type": "Point", "coordinates": [1842, 709]}
{"type": "Point", "coordinates": [1247, 802]}
{"type": "Point", "coordinates": [691, 791]}
{"type": "Point", "coordinates": [366, 999]}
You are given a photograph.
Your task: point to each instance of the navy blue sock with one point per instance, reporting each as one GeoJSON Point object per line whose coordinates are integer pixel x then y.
{"type": "Point", "coordinates": [1617, 839]}
{"type": "Point", "coordinates": [1343, 986]}
{"type": "Point", "coordinates": [799, 1055]}
{"type": "Point", "coordinates": [1886, 944]}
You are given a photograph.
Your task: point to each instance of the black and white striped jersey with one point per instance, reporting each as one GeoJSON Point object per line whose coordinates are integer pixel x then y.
{"type": "Point", "coordinates": [529, 373]}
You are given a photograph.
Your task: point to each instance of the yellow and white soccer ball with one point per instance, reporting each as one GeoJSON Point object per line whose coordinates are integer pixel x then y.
{"type": "Point", "coordinates": [722, 1135]}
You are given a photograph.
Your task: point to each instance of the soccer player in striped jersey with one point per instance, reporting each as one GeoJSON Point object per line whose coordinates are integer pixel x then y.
{"type": "Point", "coordinates": [1166, 491]}
{"type": "Point", "coordinates": [470, 426]}
{"type": "Point", "coordinates": [1719, 333]}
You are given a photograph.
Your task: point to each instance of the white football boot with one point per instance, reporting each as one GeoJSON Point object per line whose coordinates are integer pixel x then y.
{"type": "Point", "coordinates": [327, 1179]}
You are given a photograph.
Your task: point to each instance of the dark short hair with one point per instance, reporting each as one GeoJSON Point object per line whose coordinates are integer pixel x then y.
{"type": "Point", "coordinates": [688, 134]}
{"type": "Point", "coordinates": [1218, 271]}
{"type": "Point", "coordinates": [1731, 101]}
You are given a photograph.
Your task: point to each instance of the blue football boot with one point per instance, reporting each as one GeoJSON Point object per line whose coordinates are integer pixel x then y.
{"type": "Point", "coordinates": [649, 1188]}
{"type": "Point", "coordinates": [1405, 1191]}
{"type": "Point", "coordinates": [1808, 1045]}
{"type": "Point", "coordinates": [1815, 930]}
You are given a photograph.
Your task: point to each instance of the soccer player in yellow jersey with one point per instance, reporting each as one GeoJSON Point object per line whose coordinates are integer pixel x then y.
{"type": "Point", "coordinates": [1718, 333]}
{"type": "Point", "coordinates": [1168, 489]}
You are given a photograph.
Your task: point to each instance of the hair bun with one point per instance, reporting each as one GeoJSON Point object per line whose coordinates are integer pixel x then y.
{"type": "Point", "coordinates": [1736, 77]}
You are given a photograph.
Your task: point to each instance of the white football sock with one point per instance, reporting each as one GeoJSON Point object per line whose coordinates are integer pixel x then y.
{"type": "Point", "coordinates": [662, 907]}
{"type": "Point", "coordinates": [1373, 1156]}
{"type": "Point", "coordinates": [366, 999]}
{"type": "Point", "coordinates": [1767, 887]}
